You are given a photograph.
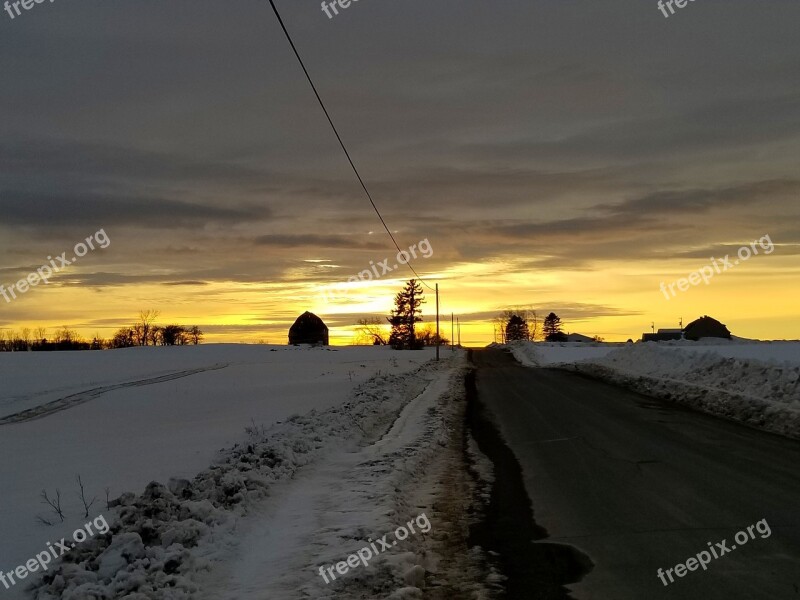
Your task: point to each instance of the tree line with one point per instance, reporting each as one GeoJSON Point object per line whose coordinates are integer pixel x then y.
{"type": "Point", "coordinates": [144, 331]}
{"type": "Point", "coordinates": [523, 324]}
{"type": "Point", "coordinates": [510, 325]}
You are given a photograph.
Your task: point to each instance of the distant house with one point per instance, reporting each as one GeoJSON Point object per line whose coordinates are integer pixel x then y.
{"type": "Point", "coordinates": [577, 337]}
{"type": "Point", "coordinates": [663, 335]}
{"type": "Point", "coordinates": [308, 329]}
{"type": "Point", "coordinates": [705, 327]}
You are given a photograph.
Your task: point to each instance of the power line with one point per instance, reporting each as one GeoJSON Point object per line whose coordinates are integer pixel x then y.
{"type": "Point", "coordinates": [338, 137]}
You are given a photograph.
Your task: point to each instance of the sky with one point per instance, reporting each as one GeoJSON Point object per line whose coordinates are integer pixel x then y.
{"type": "Point", "coordinates": [566, 156]}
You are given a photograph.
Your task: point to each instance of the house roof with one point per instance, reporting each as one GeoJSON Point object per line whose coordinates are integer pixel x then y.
{"type": "Point", "coordinates": [577, 337]}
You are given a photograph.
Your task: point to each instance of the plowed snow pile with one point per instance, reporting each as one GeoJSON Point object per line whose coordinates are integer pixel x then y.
{"type": "Point", "coordinates": [763, 394]}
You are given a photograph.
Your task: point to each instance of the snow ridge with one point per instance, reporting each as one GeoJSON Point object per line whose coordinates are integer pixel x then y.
{"type": "Point", "coordinates": [757, 383]}
{"type": "Point", "coordinates": [765, 395]}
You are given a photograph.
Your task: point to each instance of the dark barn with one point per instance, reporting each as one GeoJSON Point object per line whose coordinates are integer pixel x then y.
{"type": "Point", "coordinates": [308, 329]}
{"type": "Point", "coordinates": [706, 327]}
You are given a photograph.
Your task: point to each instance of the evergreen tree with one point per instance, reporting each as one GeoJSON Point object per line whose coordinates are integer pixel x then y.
{"type": "Point", "coordinates": [516, 329]}
{"type": "Point", "coordinates": [405, 315]}
{"type": "Point", "coordinates": [552, 328]}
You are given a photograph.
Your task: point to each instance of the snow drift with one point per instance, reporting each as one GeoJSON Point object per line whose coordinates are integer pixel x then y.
{"type": "Point", "coordinates": [761, 392]}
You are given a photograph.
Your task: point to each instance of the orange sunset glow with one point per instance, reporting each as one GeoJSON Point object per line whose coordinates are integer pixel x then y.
{"type": "Point", "coordinates": [572, 178]}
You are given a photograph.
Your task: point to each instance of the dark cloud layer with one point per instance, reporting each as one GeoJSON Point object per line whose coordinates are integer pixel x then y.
{"type": "Point", "coordinates": [31, 209]}
{"type": "Point", "coordinates": [558, 133]}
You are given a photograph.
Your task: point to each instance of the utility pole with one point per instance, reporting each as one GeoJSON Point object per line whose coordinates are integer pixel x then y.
{"type": "Point", "coordinates": [458, 326]}
{"type": "Point", "coordinates": [437, 322]}
{"type": "Point", "coordinates": [452, 333]}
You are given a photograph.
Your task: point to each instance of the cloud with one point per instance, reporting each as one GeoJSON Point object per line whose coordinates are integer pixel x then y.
{"type": "Point", "coordinates": [186, 283]}
{"type": "Point", "coordinates": [694, 201]}
{"type": "Point", "coordinates": [42, 210]}
{"type": "Point", "coordinates": [536, 136]}
{"type": "Point", "coordinates": [317, 241]}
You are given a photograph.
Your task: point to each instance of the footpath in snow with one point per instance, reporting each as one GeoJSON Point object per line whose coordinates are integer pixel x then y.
{"type": "Point", "coordinates": [354, 494]}
{"type": "Point", "coordinates": [757, 383]}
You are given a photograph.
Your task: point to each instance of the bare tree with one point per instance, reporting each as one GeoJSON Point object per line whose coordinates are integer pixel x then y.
{"type": "Point", "coordinates": [41, 334]}
{"type": "Point", "coordinates": [498, 328]}
{"type": "Point", "coordinates": [173, 335]}
{"type": "Point", "coordinates": [371, 330]}
{"type": "Point", "coordinates": [26, 337]}
{"type": "Point", "coordinates": [427, 336]}
{"type": "Point", "coordinates": [66, 336]}
{"type": "Point", "coordinates": [534, 324]}
{"type": "Point", "coordinates": [154, 335]}
{"type": "Point", "coordinates": [137, 334]}
{"type": "Point", "coordinates": [146, 325]}
{"type": "Point", "coordinates": [124, 338]}
{"type": "Point", "coordinates": [195, 335]}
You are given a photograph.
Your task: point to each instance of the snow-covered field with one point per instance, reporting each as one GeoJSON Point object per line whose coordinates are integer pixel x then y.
{"type": "Point", "coordinates": [757, 383]}
{"type": "Point", "coordinates": [122, 419]}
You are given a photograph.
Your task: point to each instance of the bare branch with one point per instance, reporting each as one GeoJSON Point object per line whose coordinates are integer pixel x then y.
{"type": "Point", "coordinates": [86, 505]}
{"type": "Point", "coordinates": [54, 503]}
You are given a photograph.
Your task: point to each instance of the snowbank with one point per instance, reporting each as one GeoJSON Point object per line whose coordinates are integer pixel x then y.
{"type": "Point", "coordinates": [761, 394]}
{"type": "Point", "coordinates": [543, 354]}
{"type": "Point", "coordinates": [756, 383]}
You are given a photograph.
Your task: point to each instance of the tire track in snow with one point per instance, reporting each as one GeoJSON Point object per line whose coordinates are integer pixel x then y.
{"type": "Point", "coordinates": [45, 410]}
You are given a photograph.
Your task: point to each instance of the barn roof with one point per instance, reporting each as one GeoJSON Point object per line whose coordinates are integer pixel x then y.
{"type": "Point", "coordinates": [309, 320]}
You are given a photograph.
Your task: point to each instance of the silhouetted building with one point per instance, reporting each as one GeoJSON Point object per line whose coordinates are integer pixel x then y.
{"type": "Point", "coordinates": [308, 329]}
{"type": "Point", "coordinates": [704, 327]}
{"type": "Point", "coordinates": [663, 335]}
{"type": "Point", "coordinates": [577, 337]}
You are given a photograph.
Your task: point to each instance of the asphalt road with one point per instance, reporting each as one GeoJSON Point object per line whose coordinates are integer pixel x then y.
{"type": "Point", "coordinates": [639, 484]}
